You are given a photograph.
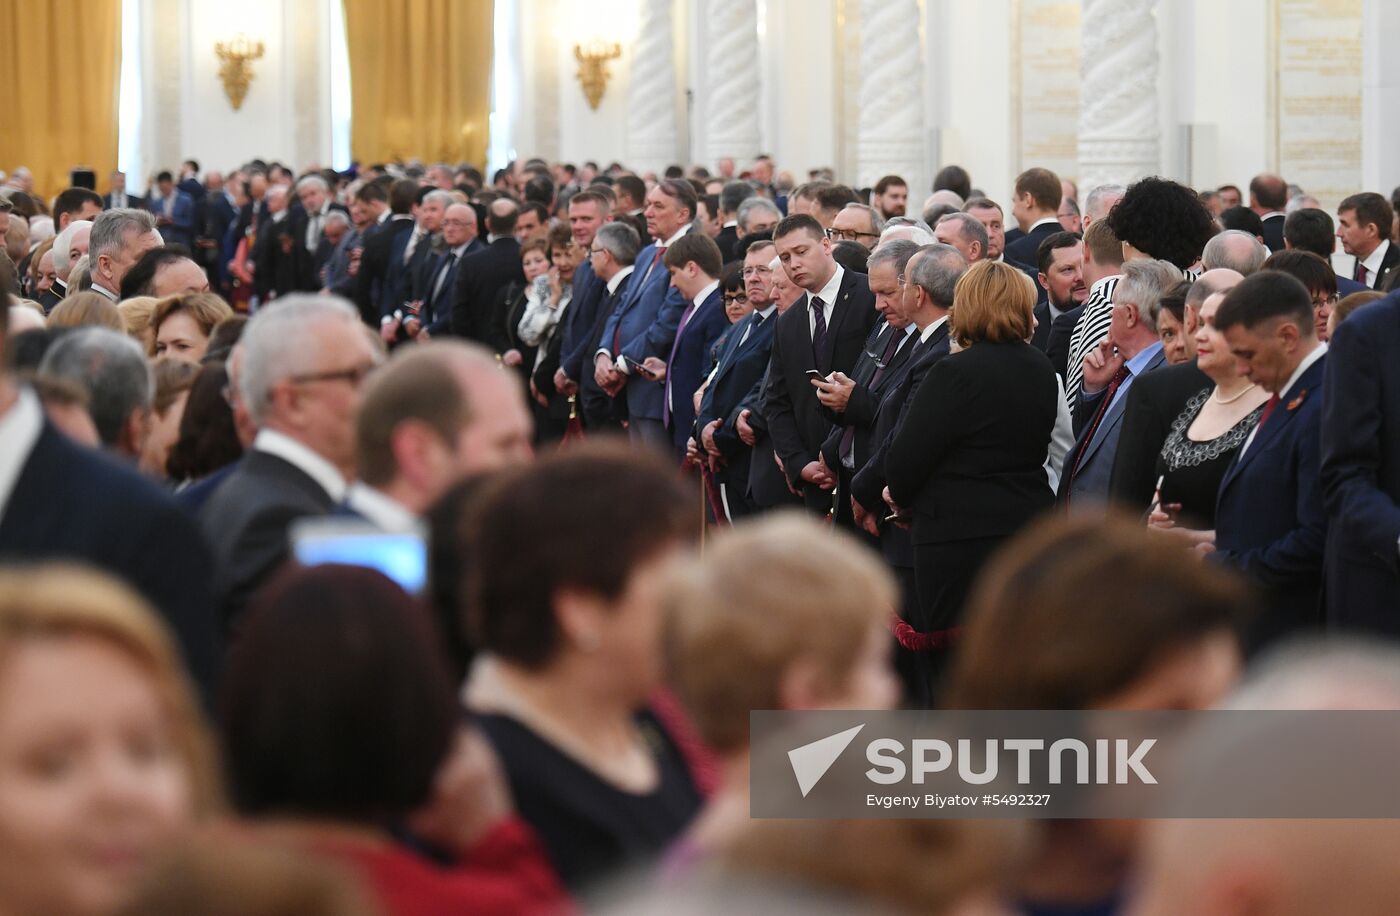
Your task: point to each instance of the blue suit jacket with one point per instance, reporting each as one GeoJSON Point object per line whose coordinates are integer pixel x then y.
{"type": "Point", "coordinates": [645, 323]}
{"type": "Point", "coordinates": [1361, 470]}
{"type": "Point", "coordinates": [180, 230]}
{"type": "Point", "coordinates": [1269, 518]}
{"type": "Point", "coordinates": [1090, 487]}
{"type": "Point", "coordinates": [577, 345]}
{"type": "Point", "coordinates": [691, 360]}
{"type": "Point", "coordinates": [437, 310]}
{"type": "Point", "coordinates": [740, 369]}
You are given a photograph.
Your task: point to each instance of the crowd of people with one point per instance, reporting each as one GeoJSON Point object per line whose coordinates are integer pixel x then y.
{"type": "Point", "coordinates": [675, 448]}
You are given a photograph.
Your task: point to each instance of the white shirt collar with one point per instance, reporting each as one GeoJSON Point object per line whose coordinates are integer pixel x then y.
{"type": "Point", "coordinates": [618, 277]}
{"type": "Point", "coordinates": [104, 291]}
{"type": "Point", "coordinates": [304, 459]}
{"type": "Point", "coordinates": [733, 222]}
{"type": "Point", "coordinates": [768, 312]}
{"type": "Point", "coordinates": [457, 252]}
{"type": "Point", "coordinates": [675, 238]}
{"type": "Point", "coordinates": [279, 216]}
{"type": "Point", "coordinates": [705, 293]}
{"type": "Point", "coordinates": [927, 332]}
{"type": "Point", "coordinates": [20, 427]}
{"type": "Point", "coordinates": [384, 511]}
{"type": "Point", "coordinates": [1045, 220]}
{"type": "Point", "coordinates": [1308, 360]}
{"type": "Point", "coordinates": [829, 292]}
{"type": "Point", "coordinates": [1374, 259]}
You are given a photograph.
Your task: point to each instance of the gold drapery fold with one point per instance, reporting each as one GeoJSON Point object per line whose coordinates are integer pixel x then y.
{"type": "Point", "coordinates": [60, 70]}
{"type": "Point", "coordinates": [420, 79]}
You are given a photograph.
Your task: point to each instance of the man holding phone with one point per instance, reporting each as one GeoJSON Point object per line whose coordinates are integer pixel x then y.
{"type": "Point", "coordinates": [824, 332]}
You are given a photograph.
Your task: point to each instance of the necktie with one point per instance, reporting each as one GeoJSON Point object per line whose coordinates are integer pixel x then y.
{"type": "Point", "coordinates": [446, 268]}
{"type": "Point", "coordinates": [848, 438]}
{"type": "Point", "coordinates": [1264, 415]}
{"type": "Point", "coordinates": [670, 364]}
{"type": "Point", "coordinates": [818, 308]}
{"type": "Point", "coordinates": [617, 332]}
{"type": "Point", "coordinates": [313, 232]}
{"type": "Point", "coordinates": [753, 326]}
{"type": "Point", "coordinates": [1359, 275]}
{"type": "Point", "coordinates": [1118, 378]}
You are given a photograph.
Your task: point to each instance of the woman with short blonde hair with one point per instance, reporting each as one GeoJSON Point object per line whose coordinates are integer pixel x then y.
{"type": "Point", "coordinates": [87, 309]}
{"type": "Point", "coordinates": [136, 312]}
{"type": "Point", "coordinates": [103, 754]}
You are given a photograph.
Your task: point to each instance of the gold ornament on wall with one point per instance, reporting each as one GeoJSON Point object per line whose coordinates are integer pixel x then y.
{"type": "Point", "coordinates": [593, 73]}
{"type": "Point", "coordinates": [235, 66]}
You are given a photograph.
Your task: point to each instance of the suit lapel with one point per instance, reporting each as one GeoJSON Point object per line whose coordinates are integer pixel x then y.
{"type": "Point", "coordinates": [839, 312]}
{"type": "Point", "coordinates": [1278, 421]}
{"type": "Point", "coordinates": [1115, 411]}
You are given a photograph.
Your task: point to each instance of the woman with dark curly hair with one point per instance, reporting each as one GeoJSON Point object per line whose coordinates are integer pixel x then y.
{"type": "Point", "coordinates": [1161, 219]}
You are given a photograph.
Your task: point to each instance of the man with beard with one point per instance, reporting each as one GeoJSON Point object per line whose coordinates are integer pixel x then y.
{"type": "Point", "coordinates": [1060, 261]}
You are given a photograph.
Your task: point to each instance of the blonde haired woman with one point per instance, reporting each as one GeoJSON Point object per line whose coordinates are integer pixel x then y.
{"type": "Point", "coordinates": [103, 756]}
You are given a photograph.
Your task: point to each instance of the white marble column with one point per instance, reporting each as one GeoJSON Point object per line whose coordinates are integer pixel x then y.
{"type": "Point", "coordinates": [731, 71]}
{"type": "Point", "coordinates": [653, 141]}
{"type": "Point", "coordinates": [1118, 118]}
{"type": "Point", "coordinates": [891, 140]}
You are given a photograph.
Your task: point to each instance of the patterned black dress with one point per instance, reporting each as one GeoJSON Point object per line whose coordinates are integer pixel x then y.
{"type": "Point", "coordinates": [1191, 471]}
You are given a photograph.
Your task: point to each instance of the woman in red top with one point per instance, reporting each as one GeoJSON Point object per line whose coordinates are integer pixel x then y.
{"type": "Point", "coordinates": [338, 714]}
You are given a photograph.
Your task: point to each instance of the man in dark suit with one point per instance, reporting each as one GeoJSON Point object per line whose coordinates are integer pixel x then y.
{"type": "Point", "coordinates": [174, 210]}
{"type": "Point", "coordinates": [307, 228]}
{"type": "Point", "coordinates": [1035, 204]}
{"type": "Point", "coordinates": [483, 275]}
{"type": "Point", "coordinates": [459, 237]}
{"type": "Point", "coordinates": [824, 334]}
{"type": "Point", "coordinates": [1364, 224]}
{"type": "Point", "coordinates": [588, 212]}
{"type": "Point", "coordinates": [302, 366]}
{"type": "Point", "coordinates": [1060, 277]}
{"type": "Point", "coordinates": [731, 196]}
{"type": "Point", "coordinates": [1131, 350]}
{"type": "Point", "coordinates": [631, 205]}
{"type": "Point", "coordinates": [118, 196]}
{"type": "Point", "coordinates": [851, 402]}
{"type": "Point", "coordinates": [741, 366]}
{"type": "Point", "coordinates": [280, 259]}
{"type": "Point", "coordinates": [1270, 522]}
{"type": "Point", "coordinates": [611, 258]}
{"type": "Point", "coordinates": [60, 502]}
{"type": "Point", "coordinates": [644, 325]}
{"type": "Point", "coordinates": [1268, 195]}
{"type": "Point", "coordinates": [1361, 471]}
{"type": "Point", "coordinates": [220, 213]}
{"type": "Point", "coordinates": [375, 293]}
{"type": "Point", "coordinates": [694, 265]}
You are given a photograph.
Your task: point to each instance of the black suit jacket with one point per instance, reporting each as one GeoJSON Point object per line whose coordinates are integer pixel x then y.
{"type": "Point", "coordinates": [480, 279]}
{"type": "Point", "coordinates": [1154, 403]}
{"type": "Point", "coordinates": [75, 504]}
{"type": "Point", "coordinates": [1025, 249]}
{"type": "Point", "coordinates": [868, 484]}
{"type": "Point", "coordinates": [372, 279]}
{"type": "Point", "coordinates": [728, 242]}
{"type": "Point", "coordinates": [793, 413]}
{"type": "Point", "coordinates": [1273, 232]}
{"type": "Point", "coordinates": [969, 460]}
{"type": "Point", "coordinates": [246, 522]}
{"type": "Point", "coordinates": [862, 409]}
{"type": "Point", "coordinates": [1389, 262]}
{"type": "Point", "coordinates": [1361, 470]}
{"type": "Point", "coordinates": [1057, 343]}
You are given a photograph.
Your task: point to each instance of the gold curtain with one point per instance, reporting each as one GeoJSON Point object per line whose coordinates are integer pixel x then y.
{"type": "Point", "coordinates": [60, 72]}
{"type": "Point", "coordinates": [420, 79]}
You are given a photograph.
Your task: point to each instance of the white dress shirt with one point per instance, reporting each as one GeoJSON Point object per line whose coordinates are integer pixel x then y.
{"type": "Point", "coordinates": [383, 511]}
{"type": "Point", "coordinates": [304, 459]}
{"type": "Point", "coordinates": [1372, 263]}
{"type": "Point", "coordinates": [828, 296]}
{"type": "Point", "coordinates": [20, 427]}
{"type": "Point", "coordinates": [927, 332]}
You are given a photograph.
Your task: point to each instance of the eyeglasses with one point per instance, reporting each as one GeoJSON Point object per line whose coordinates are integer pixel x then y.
{"type": "Point", "coordinates": [593, 251]}
{"type": "Point", "coordinates": [735, 297]}
{"type": "Point", "coordinates": [848, 235]}
{"type": "Point", "coordinates": [901, 281]}
{"type": "Point", "coordinates": [354, 376]}
{"type": "Point", "coordinates": [755, 271]}
{"type": "Point", "coordinates": [1321, 301]}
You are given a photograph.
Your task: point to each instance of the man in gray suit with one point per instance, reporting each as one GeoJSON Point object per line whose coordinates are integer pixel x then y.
{"type": "Point", "coordinates": [1131, 349]}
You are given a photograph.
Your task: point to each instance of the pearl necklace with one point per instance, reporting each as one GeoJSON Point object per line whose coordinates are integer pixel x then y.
{"type": "Point", "coordinates": [1215, 395]}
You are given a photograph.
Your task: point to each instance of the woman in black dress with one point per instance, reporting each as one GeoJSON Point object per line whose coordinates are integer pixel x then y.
{"type": "Point", "coordinates": [1205, 437]}
{"type": "Point", "coordinates": [569, 633]}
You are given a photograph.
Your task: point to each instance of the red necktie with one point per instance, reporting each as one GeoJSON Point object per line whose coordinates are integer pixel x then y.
{"type": "Point", "coordinates": [1118, 378]}
{"type": "Point", "coordinates": [1360, 274]}
{"type": "Point", "coordinates": [1268, 409]}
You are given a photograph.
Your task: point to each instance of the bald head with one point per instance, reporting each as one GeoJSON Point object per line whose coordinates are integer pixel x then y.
{"type": "Point", "coordinates": [1267, 194]}
{"type": "Point", "coordinates": [1236, 250]}
{"type": "Point", "coordinates": [501, 216]}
